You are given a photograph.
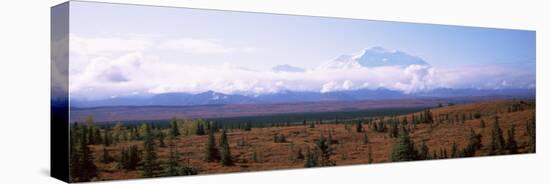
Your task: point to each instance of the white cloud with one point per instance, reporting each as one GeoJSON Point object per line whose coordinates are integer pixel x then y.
{"type": "Point", "coordinates": [101, 45]}
{"type": "Point", "coordinates": [197, 46]}
{"type": "Point", "coordinates": [102, 72]}
{"type": "Point", "coordinates": [337, 86]}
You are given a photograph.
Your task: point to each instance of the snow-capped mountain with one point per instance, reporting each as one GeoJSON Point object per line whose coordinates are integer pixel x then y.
{"type": "Point", "coordinates": [378, 56]}
{"type": "Point", "coordinates": [375, 57]}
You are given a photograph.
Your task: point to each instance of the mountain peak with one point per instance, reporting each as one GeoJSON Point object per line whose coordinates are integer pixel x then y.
{"type": "Point", "coordinates": [379, 56]}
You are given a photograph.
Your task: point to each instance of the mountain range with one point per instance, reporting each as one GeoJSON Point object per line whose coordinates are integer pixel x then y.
{"type": "Point", "coordinates": [370, 58]}
{"type": "Point", "coordinates": [212, 97]}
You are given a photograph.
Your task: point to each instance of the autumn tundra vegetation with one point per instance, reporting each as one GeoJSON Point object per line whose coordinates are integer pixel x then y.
{"type": "Point", "coordinates": [105, 151]}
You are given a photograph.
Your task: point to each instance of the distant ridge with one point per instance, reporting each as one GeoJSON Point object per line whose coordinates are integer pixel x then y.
{"type": "Point", "coordinates": [212, 97]}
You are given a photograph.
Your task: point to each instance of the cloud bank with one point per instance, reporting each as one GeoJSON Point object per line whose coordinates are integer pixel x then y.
{"type": "Point", "coordinates": [109, 67]}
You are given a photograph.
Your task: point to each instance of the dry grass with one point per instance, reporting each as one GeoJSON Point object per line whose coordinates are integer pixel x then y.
{"type": "Point", "coordinates": [349, 150]}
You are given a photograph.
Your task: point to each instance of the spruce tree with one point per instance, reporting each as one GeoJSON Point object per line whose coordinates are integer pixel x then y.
{"type": "Point", "coordinates": [497, 140]}
{"type": "Point", "coordinates": [211, 151]}
{"type": "Point", "coordinates": [105, 157]}
{"type": "Point", "coordinates": [359, 126]}
{"type": "Point", "coordinates": [511, 144]}
{"type": "Point", "coordinates": [454, 150]}
{"type": "Point", "coordinates": [329, 139]}
{"type": "Point", "coordinates": [369, 155]}
{"type": "Point", "coordinates": [394, 130]}
{"type": "Point", "coordinates": [74, 160]}
{"type": "Point", "coordinates": [474, 144]}
{"type": "Point", "coordinates": [428, 118]}
{"type": "Point", "coordinates": [404, 122]}
{"type": "Point", "coordinates": [134, 157]}
{"type": "Point", "coordinates": [88, 169]}
{"type": "Point", "coordinates": [200, 129]}
{"type": "Point", "coordinates": [403, 148]}
{"type": "Point", "coordinates": [129, 158]}
{"type": "Point", "coordinates": [247, 126]}
{"type": "Point", "coordinates": [173, 167]}
{"type": "Point", "coordinates": [365, 138]}
{"type": "Point", "coordinates": [161, 139]}
{"type": "Point", "coordinates": [225, 150]}
{"type": "Point", "coordinates": [174, 130]}
{"type": "Point", "coordinates": [311, 159]}
{"type": "Point", "coordinates": [149, 155]}
{"type": "Point", "coordinates": [106, 137]}
{"type": "Point", "coordinates": [299, 154]}
{"type": "Point", "coordinates": [323, 148]}
{"type": "Point", "coordinates": [530, 128]}
{"type": "Point", "coordinates": [424, 153]}
{"type": "Point", "coordinates": [255, 157]}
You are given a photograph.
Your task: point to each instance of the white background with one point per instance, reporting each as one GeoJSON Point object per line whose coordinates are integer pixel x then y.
{"type": "Point", "coordinates": [25, 74]}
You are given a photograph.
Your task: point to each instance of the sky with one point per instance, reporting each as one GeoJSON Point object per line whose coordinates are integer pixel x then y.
{"type": "Point", "coordinates": [121, 50]}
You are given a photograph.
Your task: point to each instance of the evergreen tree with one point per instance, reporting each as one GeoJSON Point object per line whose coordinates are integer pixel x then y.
{"type": "Point", "coordinates": [97, 136]}
{"type": "Point", "coordinates": [497, 140]}
{"type": "Point", "coordinates": [200, 129]}
{"type": "Point", "coordinates": [149, 155]}
{"type": "Point", "coordinates": [255, 157]}
{"type": "Point", "coordinates": [365, 138]}
{"type": "Point", "coordinates": [134, 157]}
{"type": "Point", "coordinates": [329, 139]}
{"type": "Point", "coordinates": [88, 169]}
{"type": "Point", "coordinates": [428, 118]}
{"type": "Point", "coordinates": [424, 153]}
{"type": "Point", "coordinates": [394, 130]}
{"type": "Point", "coordinates": [247, 127]}
{"type": "Point", "coordinates": [106, 138]}
{"type": "Point", "coordinates": [511, 144]}
{"type": "Point", "coordinates": [482, 124]}
{"type": "Point", "coordinates": [404, 122]}
{"type": "Point", "coordinates": [311, 159]}
{"type": "Point", "coordinates": [161, 139]}
{"type": "Point", "coordinates": [531, 135]}
{"type": "Point", "coordinates": [403, 148]}
{"type": "Point", "coordinates": [212, 153]}
{"type": "Point", "coordinates": [474, 144]}
{"type": "Point", "coordinates": [74, 160]}
{"type": "Point", "coordinates": [129, 158]}
{"type": "Point", "coordinates": [454, 150]}
{"type": "Point", "coordinates": [174, 130]}
{"type": "Point", "coordinates": [89, 130]}
{"type": "Point", "coordinates": [105, 157]}
{"type": "Point", "coordinates": [173, 167]}
{"type": "Point", "coordinates": [369, 155]}
{"type": "Point", "coordinates": [299, 154]}
{"type": "Point", "coordinates": [323, 148]}
{"type": "Point", "coordinates": [225, 150]}
{"type": "Point", "coordinates": [279, 138]}
{"type": "Point", "coordinates": [359, 126]}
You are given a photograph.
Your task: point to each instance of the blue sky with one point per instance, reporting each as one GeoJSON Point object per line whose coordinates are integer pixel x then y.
{"type": "Point", "coordinates": [187, 38]}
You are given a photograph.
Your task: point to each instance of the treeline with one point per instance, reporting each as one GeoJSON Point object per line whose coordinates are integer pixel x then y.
{"type": "Point", "coordinates": [144, 158]}
{"type": "Point", "coordinates": [141, 142]}
{"type": "Point", "coordinates": [130, 157]}
{"type": "Point", "coordinates": [404, 148]}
